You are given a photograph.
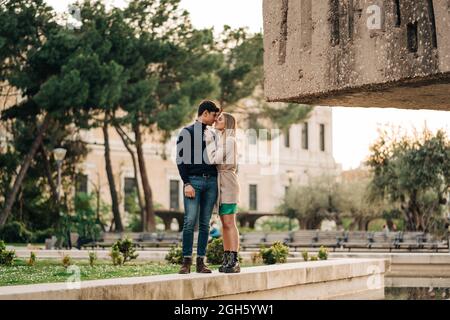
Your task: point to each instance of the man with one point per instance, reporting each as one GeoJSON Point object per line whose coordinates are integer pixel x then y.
{"type": "Point", "coordinates": [200, 185]}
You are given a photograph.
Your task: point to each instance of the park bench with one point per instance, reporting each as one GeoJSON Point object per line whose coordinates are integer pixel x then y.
{"type": "Point", "coordinates": [356, 240]}
{"type": "Point", "coordinates": [429, 242]}
{"type": "Point", "coordinates": [329, 239]}
{"type": "Point", "coordinates": [272, 237]}
{"type": "Point", "coordinates": [252, 240]}
{"type": "Point", "coordinates": [107, 239]}
{"type": "Point", "coordinates": [384, 240]}
{"type": "Point", "coordinates": [410, 240]}
{"type": "Point", "coordinates": [303, 239]}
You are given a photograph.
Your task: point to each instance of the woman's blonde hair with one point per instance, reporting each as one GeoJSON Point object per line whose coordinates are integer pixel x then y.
{"type": "Point", "coordinates": [230, 123]}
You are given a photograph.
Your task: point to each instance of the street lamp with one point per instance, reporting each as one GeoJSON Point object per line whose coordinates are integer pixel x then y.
{"type": "Point", "coordinates": [290, 174]}
{"type": "Point", "coordinates": [59, 154]}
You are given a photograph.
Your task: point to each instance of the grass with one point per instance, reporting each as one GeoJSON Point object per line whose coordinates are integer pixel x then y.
{"type": "Point", "coordinates": [49, 271]}
{"type": "Point", "coordinates": [52, 271]}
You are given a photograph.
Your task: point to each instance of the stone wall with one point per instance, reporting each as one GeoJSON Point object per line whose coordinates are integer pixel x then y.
{"type": "Point", "coordinates": [368, 53]}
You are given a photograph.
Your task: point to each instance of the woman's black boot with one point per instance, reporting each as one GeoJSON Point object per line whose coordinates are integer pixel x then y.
{"type": "Point", "coordinates": [233, 266]}
{"type": "Point", "coordinates": [226, 256]}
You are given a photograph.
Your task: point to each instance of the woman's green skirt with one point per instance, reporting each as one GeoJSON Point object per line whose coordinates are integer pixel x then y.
{"type": "Point", "coordinates": [227, 208]}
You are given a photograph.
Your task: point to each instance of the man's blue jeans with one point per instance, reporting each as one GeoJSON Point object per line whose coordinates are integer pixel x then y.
{"type": "Point", "coordinates": [199, 208]}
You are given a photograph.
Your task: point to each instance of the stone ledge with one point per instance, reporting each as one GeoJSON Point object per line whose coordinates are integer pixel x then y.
{"type": "Point", "coordinates": [311, 280]}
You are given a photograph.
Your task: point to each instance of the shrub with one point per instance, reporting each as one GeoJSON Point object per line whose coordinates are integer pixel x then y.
{"type": "Point", "coordinates": [6, 256]}
{"type": "Point", "coordinates": [39, 236]}
{"type": "Point", "coordinates": [214, 252]}
{"type": "Point", "coordinates": [256, 258]}
{"type": "Point", "coordinates": [66, 261]}
{"type": "Point", "coordinates": [123, 251]}
{"type": "Point", "coordinates": [32, 261]}
{"type": "Point", "coordinates": [314, 258]}
{"type": "Point", "coordinates": [305, 255]}
{"type": "Point", "coordinates": [175, 255]}
{"type": "Point", "coordinates": [323, 253]}
{"type": "Point", "coordinates": [92, 258]}
{"type": "Point", "coordinates": [15, 232]}
{"type": "Point", "coordinates": [277, 253]}
{"type": "Point", "coordinates": [116, 257]}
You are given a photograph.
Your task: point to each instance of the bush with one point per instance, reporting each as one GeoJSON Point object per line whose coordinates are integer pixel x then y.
{"type": "Point", "coordinates": [6, 256]}
{"type": "Point", "coordinates": [323, 253]}
{"type": "Point", "coordinates": [32, 261]}
{"type": "Point", "coordinates": [214, 252]}
{"type": "Point", "coordinates": [15, 232]}
{"type": "Point", "coordinates": [175, 255]}
{"type": "Point", "coordinates": [39, 236]}
{"type": "Point", "coordinates": [305, 255]}
{"type": "Point", "coordinates": [277, 253]}
{"type": "Point", "coordinates": [314, 258]}
{"type": "Point", "coordinates": [123, 251]}
{"type": "Point", "coordinates": [92, 258]}
{"type": "Point", "coordinates": [66, 261]}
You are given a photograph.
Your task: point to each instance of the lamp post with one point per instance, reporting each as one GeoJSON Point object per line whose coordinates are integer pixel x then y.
{"type": "Point", "coordinates": [290, 174]}
{"type": "Point", "coordinates": [59, 154]}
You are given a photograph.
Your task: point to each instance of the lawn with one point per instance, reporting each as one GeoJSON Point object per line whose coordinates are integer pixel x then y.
{"type": "Point", "coordinates": [50, 271]}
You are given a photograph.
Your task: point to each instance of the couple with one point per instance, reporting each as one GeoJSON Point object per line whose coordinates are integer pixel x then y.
{"type": "Point", "coordinates": [207, 163]}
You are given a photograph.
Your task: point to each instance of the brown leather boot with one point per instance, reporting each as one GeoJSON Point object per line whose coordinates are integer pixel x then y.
{"type": "Point", "coordinates": [186, 267]}
{"type": "Point", "coordinates": [201, 266]}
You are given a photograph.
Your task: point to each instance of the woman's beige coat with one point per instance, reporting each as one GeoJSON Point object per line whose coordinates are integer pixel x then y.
{"type": "Point", "coordinates": [222, 150]}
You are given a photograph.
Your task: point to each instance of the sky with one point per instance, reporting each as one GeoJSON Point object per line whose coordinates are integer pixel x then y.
{"type": "Point", "coordinates": [354, 129]}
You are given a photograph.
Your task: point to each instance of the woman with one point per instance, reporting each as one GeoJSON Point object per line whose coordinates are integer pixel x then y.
{"type": "Point", "coordinates": [223, 152]}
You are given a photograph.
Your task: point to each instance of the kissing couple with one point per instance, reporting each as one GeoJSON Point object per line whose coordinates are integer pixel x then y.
{"type": "Point", "coordinates": [207, 163]}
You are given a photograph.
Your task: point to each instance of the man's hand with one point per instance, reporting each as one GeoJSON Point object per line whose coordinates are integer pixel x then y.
{"type": "Point", "coordinates": [189, 191]}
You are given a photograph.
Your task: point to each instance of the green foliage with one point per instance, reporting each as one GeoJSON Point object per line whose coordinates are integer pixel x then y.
{"type": "Point", "coordinates": [39, 236]}
{"type": "Point", "coordinates": [92, 258]}
{"type": "Point", "coordinates": [6, 256]}
{"type": "Point", "coordinates": [314, 258]}
{"type": "Point", "coordinates": [85, 222]}
{"type": "Point", "coordinates": [66, 261]}
{"type": "Point", "coordinates": [214, 251]}
{"type": "Point", "coordinates": [175, 255]}
{"type": "Point", "coordinates": [412, 173]}
{"type": "Point", "coordinates": [15, 232]}
{"type": "Point", "coordinates": [123, 251]}
{"type": "Point", "coordinates": [305, 255]}
{"type": "Point", "coordinates": [32, 261]}
{"type": "Point", "coordinates": [269, 224]}
{"type": "Point", "coordinates": [277, 253]}
{"type": "Point", "coordinates": [323, 253]}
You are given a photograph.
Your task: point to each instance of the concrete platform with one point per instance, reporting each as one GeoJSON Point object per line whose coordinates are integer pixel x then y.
{"type": "Point", "coordinates": [335, 279]}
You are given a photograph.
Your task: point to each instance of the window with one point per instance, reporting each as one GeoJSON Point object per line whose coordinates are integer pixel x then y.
{"type": "Point", "coordinates": [322, 137]}
{"type": "Point", "coordinates": [174, 194]}
{"type": "Point", "coordinates": [398, 14]}
{"type": "Point", "coordinates": [81, 184]}
{"type": "Point", "coordinates": [130, 193]}
{"type": "Point", "coordinates": [413, 41]}
{"type": "Point", "coordinates": [287, 138]}
{"type": "Point", "coordinates": [305, 136]}
{"type": "Point", "coordinates": [253, 199]}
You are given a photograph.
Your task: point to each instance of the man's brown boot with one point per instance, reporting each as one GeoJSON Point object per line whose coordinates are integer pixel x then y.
{"type": "Point", "coordinates": [201, 266]}
{"type": "Point", "coordinates": [186, 267]}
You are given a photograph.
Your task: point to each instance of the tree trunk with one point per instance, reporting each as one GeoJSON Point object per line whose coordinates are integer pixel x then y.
{"type": "Point", "coordinates": [23, 170]}
{"type": "Point", "coordinates": [112, 184]}
{"type": "Point", "coordinates": [48, 172]}
{"type": "Point", "coordinates": [138, 188]}
{"type": "Point", "coordinates": [151, 222]}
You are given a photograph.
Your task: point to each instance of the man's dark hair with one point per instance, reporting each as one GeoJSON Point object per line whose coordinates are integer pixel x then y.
{"type": "Point", "coordinates": [207, 105]}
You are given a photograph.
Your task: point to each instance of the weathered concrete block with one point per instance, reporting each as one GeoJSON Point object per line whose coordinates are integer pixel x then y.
{"type": "Point", "coordinates": [363, 53]}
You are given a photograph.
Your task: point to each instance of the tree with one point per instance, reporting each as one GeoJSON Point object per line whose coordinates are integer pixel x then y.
{"type": "Point", "coordinates": [57, 71]}
{"type": "Point", "coordinates": [318, 200]}
{"type": "Point", "coordinates": [412, 173]}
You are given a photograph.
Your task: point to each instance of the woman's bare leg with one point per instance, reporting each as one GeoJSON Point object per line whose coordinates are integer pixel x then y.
{"type": "Point", "coordinates": [230, 233]}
